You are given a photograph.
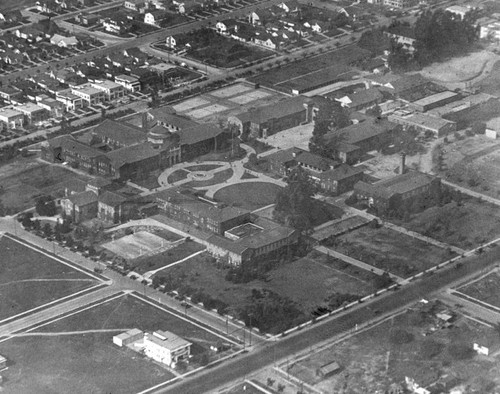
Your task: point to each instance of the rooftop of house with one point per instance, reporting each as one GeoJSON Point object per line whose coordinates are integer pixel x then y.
{"type": "Point", "coordinates": [106, 84]}
{"type": "Point", "coordinates": [303, 157]}
{"type": "Point", "coordinates": [280, 109]}
{"type": "Point", "coordinates": [83, 198]}
{"type": "Point", "coordinates": [87, 89]}
{"type": "Point", "coordinates": [198, 133]}
{"type": "Point", "coordinates": [408, 82]}
{"type": "Point", "coordinates": [365, 96]}
{"type": "Point", "coordinates": [122, 133]}
{"type": "Point", "coordinates": [29, 108]}
{"type": "Point", "coordinates": [9, 112]}
{"type": "Point", "coordinates": [167, 340]}
{"type": "Point", "coordinates": [9, 89]}
{"type": "Point", "coordinates": [132, 154]}
{"type": "Point", "coordinates": [130, 333]}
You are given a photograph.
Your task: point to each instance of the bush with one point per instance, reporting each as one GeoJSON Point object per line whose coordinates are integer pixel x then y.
{"type": "Point", "coordinates": [460, 351]}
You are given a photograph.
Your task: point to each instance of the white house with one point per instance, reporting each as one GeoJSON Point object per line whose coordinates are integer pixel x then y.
{"type": "Point", "coordinates": [458, 10]}
{"type": "Point", "coordinates": [154, 17]}
{"type": "Point", "coordinates": [128, 82]}
{"type": "Point", "coordinates": [166, 347]}
{"type": "Point", "coordinates": [481, 349]}
{"type": "Point", "coordinates": [112, 90]}
{"type": "Point", "coordinates": [62, 41]}
{"type": "Point", "coordinates": [128, 337]}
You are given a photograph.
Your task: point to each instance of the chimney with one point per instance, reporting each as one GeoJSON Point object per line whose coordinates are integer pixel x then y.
{"type": "Point", "coordinates": [402, 164]}
{"type": "Point", "coordinates": [145, 121]}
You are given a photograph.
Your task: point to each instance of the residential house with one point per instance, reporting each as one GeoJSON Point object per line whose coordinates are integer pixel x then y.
{"type": "Point", "coordinates": [154, 17]}
{"type": "Point", "coordinates": [226, 26]}
{"type": "Point", "coordinates": [80, 206]}
{"type": "Point", "coordinates": [404, 35]}
{"type": "Point", "coordinates": [390, 193]}
{"type": "Point", "coordinates": [30, 33]}
{"type": "Point", "coordinates": [87, 19]}
{"type": "Point", "coordinates": [260, 17]}
{"type": "Point", "coordinates": [267, 120]}
{"type": "Point", "coordinates": [166, 348]}
{"type": "Point", "coordinates": [266, 40]}
{"type": "Point", "coordinates": [289, 6]}
{"type": "Point", "coordinates": [117, 25]}
{"type": "Point", "coordinates": [340, 179]}
{"type": "Point", "coordinates": [9, 93]}
{"type": "Point", "coordinates": [13, 16]}
{"type": "Point", "coordinates": [55, 108]}
{"type": "Point", "coordinates": [71, 101]}
{"type": "Point", "coordinates": [89, 94]}
{"type": "Point", "coordinates": [130, 83]}
{"type": "Point", "coordinates": [459, 10]}
{"type": "Point", "coordinates": [11, 118]}
{"type": "Point", "coordinates": [49, 6]}
{"type": "Point", "coordinates": [62, 41]}
{"type": "Point", "coordinates": [112, 90]}
{"type": "Point", "coordinates": [33, 113]}
{"type": "Point", "coordinates": [136, 5]}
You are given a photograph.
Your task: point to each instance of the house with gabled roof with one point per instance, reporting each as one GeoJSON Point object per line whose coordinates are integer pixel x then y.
{"type": "Point", "coordinates": [80, 206]}
{"type": "Point", "coordinates": [63, 41]}
{"type": "Point", "coordinates": [110, 207]}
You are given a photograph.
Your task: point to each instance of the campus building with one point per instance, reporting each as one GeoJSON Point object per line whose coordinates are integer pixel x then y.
{"type": "Point", "coordinates": [423, 123]}
{"type": "Point", "coordinates": [283, 161]}
{"type": "Point", "coordinates": [268, 120]}
{"type": "Point", "coordinates": [389, 193]}
{"type": "Point", "coordinates": [340, 179]}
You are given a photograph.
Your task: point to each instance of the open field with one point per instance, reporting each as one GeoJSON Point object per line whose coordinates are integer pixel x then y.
{"type": "Point", "coordinates": [138, 244]}
{"type": "Point", "coordinates": [390, 250]}
{"type": "Point", "coordinates": [29, 279]}
{"type": "Point", "coordinates": [486, 289]}
{"type": "Point", "coordinates": [307, 281]}
{"type": "Point", "coordinates": [89, 362]}
{"type": "Point", "coordinates": [401, 349]}
{"type": "Point", "coordinates": [149, 263]}
{"type": "Point", "coordinates": [491, 83]}
{"type": "Point", "coordinates": [313, 71]}
{"type": "Point", "coordinates": [19, 189]}
{"type": "Point", "coordinates": [248, 195]}
{"type": "Point", "coordinates": [467, 225]}
{"type": "Point", "coordinates": [460, 69]}
{"type": "Point", "coordinates": [9, 5]}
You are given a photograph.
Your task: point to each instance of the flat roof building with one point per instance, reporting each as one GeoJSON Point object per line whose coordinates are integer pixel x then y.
{"type": "Point", "coordinates": [166, 347]}
{"type": "Point", "coordinates": [435, 100]}
{"type": "Point", "coordinates": [424, 122]}
{"type": "Point", "coordinates": [128, 337]}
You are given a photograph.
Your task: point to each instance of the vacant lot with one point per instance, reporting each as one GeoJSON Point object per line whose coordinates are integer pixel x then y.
{"type": "Point", "coordinates": [467, 225]}
{"type": "Point", "coordinates": [390, 250]}
{"type": "Point", "coordinates": [400, 350]}
{"type": "Point", "coordinates": [142, 265]}
{"type": "Point", "coordinates": [491, 83]}
{"type": "Point", "coordinates": [486, 289]}
{"type": "Point", "coordinates": [19, 189]}
{"type": "Point", "coordinates": [29, 279]}
{"type": "Point", "coordinates": [89, 362]}
{"type": "Point", "coordinates": [249, 195]}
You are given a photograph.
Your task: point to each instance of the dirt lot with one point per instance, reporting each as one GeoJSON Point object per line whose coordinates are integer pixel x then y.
{"type": "Point", "coordinates": [486, 289]}
{"type": "Point", "coordinates": [390, 250]}
{"type": "Point", "coordinates": [491, 83]}
{"type": "Point", "coordinates": [400, 350]}
{"type": "Point", "coordinates": [466, 226]}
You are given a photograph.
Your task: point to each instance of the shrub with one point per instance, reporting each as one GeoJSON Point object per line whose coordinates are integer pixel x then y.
{"type": "Point", "coordinates": [460, 351]}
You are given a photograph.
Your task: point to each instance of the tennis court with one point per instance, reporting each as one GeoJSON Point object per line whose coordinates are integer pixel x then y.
{"type": "Point", "coordinates": [249, 97]}
{"type": "Point", "coordinates": [207, 111]}
{"type": "Point", "coordinates": [138, 244]}
{"type": "Point", "coordinates": [230, 91]}
{"type": "Point", "coordinates": [191, 103]}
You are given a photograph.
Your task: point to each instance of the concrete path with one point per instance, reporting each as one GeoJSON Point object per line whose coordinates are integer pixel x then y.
{"type": "Point", "coordinates": [149, 274]}
{"type": "Point", "coordinates": [357, 263]}
{"type": "Point", "coordinates": [471, 192]}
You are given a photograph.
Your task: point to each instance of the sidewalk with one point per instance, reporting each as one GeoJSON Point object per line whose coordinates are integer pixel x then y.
{"type": "Point", "coordinates": [471, 192]}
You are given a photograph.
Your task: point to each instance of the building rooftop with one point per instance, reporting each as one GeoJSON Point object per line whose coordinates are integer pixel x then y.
{"type": "Point", "coordinates": [111, 199]}
{"type": "Point", "coordinates": [167, 340]}
{"type": "Point", "coordinates": [278, 110]}
{"type": "Point", "coordinates": [29, 108]}
{"type": "Point", "coordinates": [422, 120]}
{"type": "Point", "coordinates": [87, 89]}
{"type": "Point", "coordinates": [130, 333]}
{"type": "Point", "coordinates": [121, 133]}
{"type": "Point", "coordinates": [436, 97]}
{"type": "Point", "coordinates": [198, 133]}
{"type": "Point", "coordinates": [466, 102]}
{"type": "Point", "coordinates": [9, 112]}
{"type": "Point", "coordinates": [361, 131]}
{"type": "Point", "coordinates": [69, 143]}
{"type": "Point", "coordinates": [365, 96]}
{"type": "Point", "coordinates": [106, 84]}
{"type": "Point", "coordinates": [132, 154]}
{"type": "Point", "coordinates": [303, 157]}
{"type": "Point", "coordinates": [343, 171]}
{"type": "Point", "coordinates": [83, 198]}
{"type": "Point", "coordinates": [169, 118]}
{"type": "Point", "coordinates": [127, 78]}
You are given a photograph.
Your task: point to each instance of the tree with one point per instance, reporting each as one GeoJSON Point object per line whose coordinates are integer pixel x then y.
{"type": "Point", "coordinates": [330, 117]}
{"type": "Point", "coordinates": [294, 202]}
{"type": "Point", "coordinates": [47, 230]}
{"type": "Point", "coordinates": [45, 206]}
{"type": "Point", "coordinates": [375, 111]}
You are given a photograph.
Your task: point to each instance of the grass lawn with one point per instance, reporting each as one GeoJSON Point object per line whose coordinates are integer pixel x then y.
{"type": "Point", "coordinates": [471, 224]}
{"type": "Point", "coordinates": [203, 167]}
{"type": "Point", "coordinates": [219, 177]}
{"type": "Point", "coordinates": [369, 365]}
{"type": "Point", "coordinates": [19, 189]}
{"type": "Point", "coordinates": [250, 195]}
{"type": "Point", "coordinates": [486, 289]}
{"type": "Point", "coordinates": [90, 362]}
{"type": "Point", "coordinates": [177, 176]}
{"type": "Point", "coordinates": [150, 263]}
{"type": "Point", "coordinates": [390, 250]}
{"type": "Point", "coordinates": [29, 279]}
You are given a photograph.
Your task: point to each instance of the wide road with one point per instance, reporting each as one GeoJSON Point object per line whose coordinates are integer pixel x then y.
{"type": "Point", "coordinates": [212, 379]}
{"type": "Point", "coordinates": [140, 41]}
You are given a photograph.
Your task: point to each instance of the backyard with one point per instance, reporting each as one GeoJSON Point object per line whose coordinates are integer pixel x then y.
{"type": "Point", "coordinates": [89, 362]}
{"type": "Point", "coordinates": [390, 250]}
{"type": "Point", "coordinates": [403, 348]}
{"type": "Point", "coordinates": [29, 279]}
{"type": "Point", "coordinates": [466, 225]}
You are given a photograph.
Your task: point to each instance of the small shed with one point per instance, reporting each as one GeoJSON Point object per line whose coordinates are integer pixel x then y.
{"type": "Point", "coordinates": [128, 337]}
{"type": "Point", "coordinates": [328, 369]}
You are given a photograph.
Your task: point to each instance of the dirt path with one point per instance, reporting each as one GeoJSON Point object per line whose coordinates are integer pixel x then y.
{"type": "Point", "coordinates": [56, 334]}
